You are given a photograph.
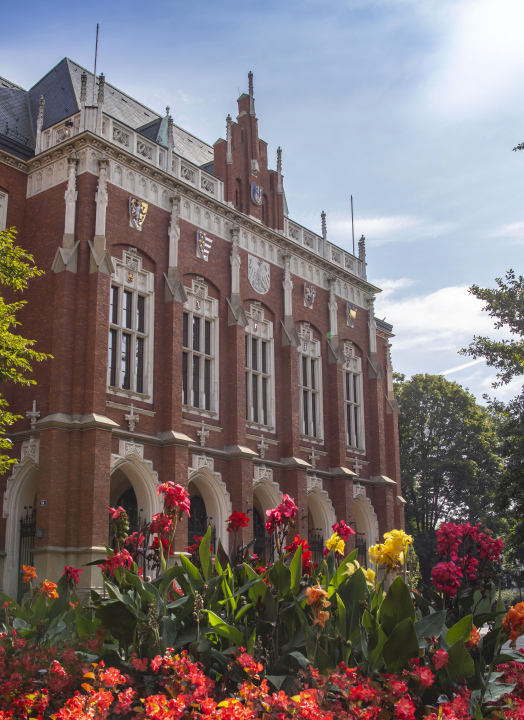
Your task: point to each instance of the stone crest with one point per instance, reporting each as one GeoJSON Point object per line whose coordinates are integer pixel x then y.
{"type": "Point", "coordinates": [351, 314]}
{"type": "Point", "coordinates": [256, 193]}
{"type": "Point", "coordinates": [258, 273]}
{"type": "Point", "coordinates": [310, 293]}
{"type": "Point", "coordinates": [137, 212]}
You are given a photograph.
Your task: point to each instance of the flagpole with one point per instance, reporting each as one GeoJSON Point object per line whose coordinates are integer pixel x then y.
{"type": "Point", "coordinates": [96, 53]}
{"type": "Point", "coordinates": [352, 227]}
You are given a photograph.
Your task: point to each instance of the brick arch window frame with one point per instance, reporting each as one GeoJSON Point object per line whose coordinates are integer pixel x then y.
{"type": "Point", "coordinates": [200, 352]}
{"type": "Point", "coordinates": [353, 399]}
{"type": "Point", "coordinates": [131, 329]}
{"type": "Point", "coordinates": [237, 197]}
{"type": "Point", "coordinates": [310, 397]}
{"type": "Point", "coordinates": [265, 210]}
{"type": "Point", "coordinates": [260, 371]}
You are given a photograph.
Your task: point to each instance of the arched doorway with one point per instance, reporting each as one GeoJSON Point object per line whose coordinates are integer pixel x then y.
{"type": "Point", "coordinates": [266, 496]}
{"type": "Point", "coordinates": [365, 525]}
{"type": "Point", "coordinates": [199, 521]}
{"type": "Point", "coordinates": [20, 511]}
{"type": "Point", "coordinates": [321, 517]}
{"type": "Point", "coordinates": [208, 486]}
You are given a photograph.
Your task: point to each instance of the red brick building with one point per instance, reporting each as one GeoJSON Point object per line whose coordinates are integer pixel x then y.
{"type": "Point", "coordinates": [198, 334]}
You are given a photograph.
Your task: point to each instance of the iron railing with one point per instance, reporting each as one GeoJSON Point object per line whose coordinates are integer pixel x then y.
{"type": "Point", "coordinates": [27, 543]}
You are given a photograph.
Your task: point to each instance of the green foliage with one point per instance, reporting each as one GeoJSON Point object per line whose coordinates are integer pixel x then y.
{"type": "Point", "coordinates": [448, 458]}
{"type": "Point", "coordinates": [506, 305]}
{"type": "Point", "coordinates": [16, 353]}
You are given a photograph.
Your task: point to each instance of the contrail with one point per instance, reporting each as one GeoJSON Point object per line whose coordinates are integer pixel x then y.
{"type": "Point", "coordinates": [461, 367]}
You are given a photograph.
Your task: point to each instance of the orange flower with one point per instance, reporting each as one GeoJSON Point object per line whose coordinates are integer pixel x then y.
{"type": "Point", "coordinates": [6, 604]}
{"type": "Point", "coordinates": [29, 573]}
{"type": "Point", "coordinates": [73, 605]}
{"type": "Point", "coordinates": [49, 589]}
{"type": "Point", "coordinates": [321, 618]}
{"type": "Point", "coordinates": [474, 638]}
{"type": "Point", "coordinates": [317, 596]}
{"type": "Point", "coordinates": [513, 623]}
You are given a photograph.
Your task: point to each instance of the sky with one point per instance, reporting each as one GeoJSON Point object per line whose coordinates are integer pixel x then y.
{"type": "Point", "coordinates": [411, 106]}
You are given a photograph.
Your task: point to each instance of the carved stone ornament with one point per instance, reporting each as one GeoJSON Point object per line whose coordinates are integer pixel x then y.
{"type": "Point", "coordinates": [137, 212]}
{"type": "Point", "coordinates": [258, 272]}
{"type": "Point", "coordinates": [310, 293]}
{"type": "Point", "coordinates": [358, 489]}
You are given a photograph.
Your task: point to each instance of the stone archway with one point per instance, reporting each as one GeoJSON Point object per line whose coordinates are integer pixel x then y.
{"type": "Point", "coordinates": [20, 493]}
{"type": "Point", "coordinates": [132, 471]}
{"type": "Point", "coordinates": [366, 522]}
{"type": "Point", "coordinates": [210, 487]}
{"type": "Point", "coordinates": [266, 496]}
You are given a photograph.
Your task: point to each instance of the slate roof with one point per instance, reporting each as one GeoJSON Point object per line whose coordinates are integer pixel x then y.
{"type": "Point", "coordinates": [61, 90]}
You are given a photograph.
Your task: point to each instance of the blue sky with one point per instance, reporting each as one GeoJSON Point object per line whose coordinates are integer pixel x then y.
{"type": "Point", "coordinates": [412, 107]}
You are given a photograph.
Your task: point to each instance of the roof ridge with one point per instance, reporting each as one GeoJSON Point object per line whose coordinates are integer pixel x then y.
{"type": "Point", "coordinates": [12, 84]}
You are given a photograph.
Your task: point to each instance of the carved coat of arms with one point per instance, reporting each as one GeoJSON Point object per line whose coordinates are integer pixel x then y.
{"type": "Point", "coordinates": [203, 244]}
{"type": "Point", "coordinates": [351, 314]}
{"type": "Point", "coordinates": [137, 212]}
{"type": "Point", "coordinates": [310, 293]}
{"type": "Point", "coordinates": [256, 193]}
{"type": "Point", "coordinates": [258, 274]}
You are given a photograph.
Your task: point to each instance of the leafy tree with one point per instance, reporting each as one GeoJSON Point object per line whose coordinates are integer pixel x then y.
{"type": "Point", "coordinates": [448, 458]}
{"type": "Point", "coordinates": [506, 305]}
{"type": "Point", "coordinates": [16, 353]}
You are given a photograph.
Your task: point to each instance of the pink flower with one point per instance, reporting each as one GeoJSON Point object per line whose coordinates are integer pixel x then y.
{"type": "Point", "coordinates": [115, 514]}
{"type": "Point", "coordinates": [404, 709]}
{"type": "Point", "coordinates": [440, 659]}
{"type": "Point", "coordinates": [72, 575]}
{"type": "Point", "coordinates": [175, 497]}
{"type": "Point", "coordinates": [424, 676]}
{"type": "Point", "coordinates": [343, 530]}
{"type": "Point", "coordinates": [446, 577]}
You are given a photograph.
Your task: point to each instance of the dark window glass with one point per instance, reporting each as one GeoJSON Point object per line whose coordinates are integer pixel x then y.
{"type": "Point", "coordinates": [248, 414]}
{"type": "Point", "coordinates": [126, 361]}
{"type": "Point", "coordinates": [305, 411]}
{"type": "Point", "coordinates": [112, 357]}
{"type": "Point", "coordinates": [196, 335]}
{"type": "Point", "coordinates": [304, 372]}
{"type": "Point", "coordinates": [140, 313]}
{"type": "Point", "coordinates": [114, 305]}
{"type": "Point", "coordinates": [255, 398]}
{"type": "Point", "coordinates": [207, 340]}
{"type": "Point", "coordinates": [247, 350]}
{"type": "Point", "coordinates": [264, 400]}
{"type": "Point", "coordinates": [140, 365]}
{"type": "Point", "coordinates": [207, 384]}
{"type": "Point", "coordinates": [264, 358]}
{"type": "Point", "coordinates": [355, 389]}
{"type": "Point", "coordinates": [196, 381]}
{"type": "Point", "coordinates": [355, 409]}
{"type": "Point", "coordinates": [184, 378]}
{"type": "Point", "coordinates": [313, 373]}
{"type": "Point", "coordinates": [127, 309]}
{"type": "Point", "coordinates": [348, 387]}
{"type": "Point", "coordinates": [254, 354]}
{"type": "Point", "coordinates": [314, 413]}
{"type": "Point", "coordinates": [185, 330]}
{"type": "Point", "coordinates": [348, 420]}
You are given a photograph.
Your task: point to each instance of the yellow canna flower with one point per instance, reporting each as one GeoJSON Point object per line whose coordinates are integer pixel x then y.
{"type": "Point", "coordinates": [370, 576]}
{"type": "Point", "coordinates": [336, 543]}
{"type": "Point", "coordinates": [351, 568]}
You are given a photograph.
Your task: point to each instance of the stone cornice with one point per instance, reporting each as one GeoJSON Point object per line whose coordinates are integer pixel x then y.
{"type": "Point", "coordinates": [14, 161]}
{"type": "Point", "coordinates": [89, 139]}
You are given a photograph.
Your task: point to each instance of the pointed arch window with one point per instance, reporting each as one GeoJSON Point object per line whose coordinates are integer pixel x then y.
{"type": "Point", "coordinates": [310, 385]}
{"type": "Point", "coordinates": [353, 398]}
{"type": "Point", "coordinates": [260, 375]}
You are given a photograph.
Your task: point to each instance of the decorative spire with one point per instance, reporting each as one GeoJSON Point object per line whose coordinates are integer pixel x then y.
{"type": "Point", "coordinates": [279, 170]}
{"type": "Point", "coordinates": [324, 228]}
{"type": "Point", "coordinates": [101, 83]}
{"type": "Point", "coordinates": [229, 151]}
{"type": "Point", "coordinates": [167, 109]}
{"type": "Point", "coordinates": [362, 249]}
{"type": "Point", "coordinates": [251, 97]}
{"type": "Point", "coordinates": [41, 103]}
{"type": "Point", "coordinates": [83, 87]}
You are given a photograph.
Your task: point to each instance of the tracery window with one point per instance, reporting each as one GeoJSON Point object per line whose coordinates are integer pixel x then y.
{"type": "Point", "coordinates": [131, 323]}
{"type": "Point", "coordinates": [353, 398]}
{"type": "Point", "coordinates": [200, 351]}
{"type": "Point", "coordinates": [260, 376]}
{"type": "Point", "coordinates": [310, 385]}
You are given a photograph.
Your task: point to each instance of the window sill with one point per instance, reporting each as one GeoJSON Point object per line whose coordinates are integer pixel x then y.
{"type": "Point", "coordinates": [142, 397]}
{"type": "Point", "coordinates": [311, 439]}
{"type": "Point", "coordinates": [357, 451]}
{"type": "Point", "coordinates": [260, 426]}
{"type": "Point", "coordinates": [199, 411]}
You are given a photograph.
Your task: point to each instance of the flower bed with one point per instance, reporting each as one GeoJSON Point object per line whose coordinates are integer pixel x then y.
{"type": "Point", "coordinates": [269, 638]}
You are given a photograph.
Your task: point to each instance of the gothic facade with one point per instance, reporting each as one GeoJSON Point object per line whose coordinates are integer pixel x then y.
{"type": "Point", "coordinates": [198, 334]}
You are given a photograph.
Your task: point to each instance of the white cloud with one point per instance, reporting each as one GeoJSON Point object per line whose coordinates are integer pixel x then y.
{"type": "Point", "coordinates": [391, 286]}
{"type": "Point", "coordinates": [442, 321]}
{"type": "Point", "coordinates": [514, 231]}
{"type": "Point", "coordinates": [480, 63]}
{"type": "Point", "coordinates": [385, 229]}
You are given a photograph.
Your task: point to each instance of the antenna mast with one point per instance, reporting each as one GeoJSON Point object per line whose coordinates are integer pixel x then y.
{"type": "Point", "coordinates": [96, 53]}
{"type": "Point", "coordinates": [352, 226]}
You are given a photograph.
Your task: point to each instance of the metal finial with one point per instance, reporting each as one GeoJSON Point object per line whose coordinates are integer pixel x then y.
{"type": "Point", "coordinates": [167, 109]}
